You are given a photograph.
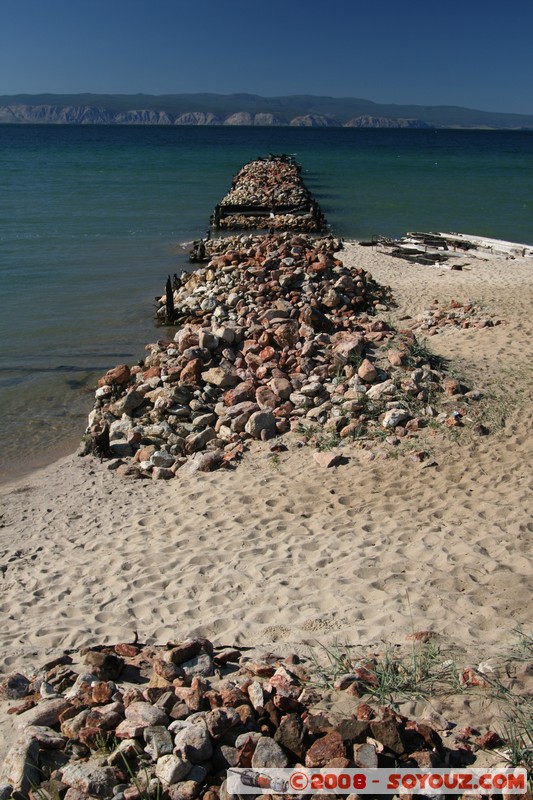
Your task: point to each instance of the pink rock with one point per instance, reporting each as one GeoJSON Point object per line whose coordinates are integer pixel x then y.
{"type": "Point", "coordinates": [186, 337]}
{"type": "Point", "coordinates": [281, 386]}
{"type": "Point", "coordinates": [192, 372]}
{"type": "Point", "coordinates": [267, 353]}
{"type": "Point", "coordinates": [119, 375]}
{"type": "Point", "coordinates": [325, 749]}
{"type": "Point", "coordinates": [326, 459]}
{"type": "Point", "coordinates": [265, 398]}
{"type": "Point", "coordinates": [451, 386]}
{"type": "Point", "coordinates": [348, 344]}
{"type": "Point", "coordinates": [395, 358]}
{"type": "Point", "coordinates": [239, 394]}
{"type": "Point", "coordinates": [145, 714]}
{"type": "Point", "coordinates": [286, 335]}
{"type": "Point", "coordinates": [367, 371]}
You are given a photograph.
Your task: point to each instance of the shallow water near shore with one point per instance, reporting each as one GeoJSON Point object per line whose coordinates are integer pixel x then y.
{"type": "Point", "coordinates": [92, 219]}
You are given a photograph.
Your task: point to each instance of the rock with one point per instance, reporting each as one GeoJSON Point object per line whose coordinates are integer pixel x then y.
{"type": "Point", "coordinates": [198, 441]}
{"type": "Point", "coordinates": [268, 753]}
{"type": "Point", "coordinates": [91, 778]}
{"type": "Point", "coordinates": [325, 749]}
{"type": "Point", "coordinates": [394, 417]}
{"type": "Point", "coordinates": [47, 737]}
{"type": "Point", "coordinates": [145, 715]}
{"type": "Point", "coordinates": [259, 422]}
{"type": "Point", "coordinates": [46, 713]}
{"type": "Point", "coordinates": [192, 372]}
{"type": "Point", "coordinates": [217, 376]}
{"type": "Point", "coordinates": [353, 730]}
{"type": "Point", "coordinates": [193, 742]}
{"type": "Point", "coordinates": [184, 790]}
{"type": "Point", "coordinates": [347, 345]}
{"type": "Point", "coordinates": [255, 693]}
{"type": "Point", "coordinates": [388, 732]}
{"type": "Point", "coordinates": [220, 720]}
{"type": "Point", "coordinates": [119, 375]}
{"type": "Point", "coordinates": [158, 741]}
{"type": "Point", "coordinates": [14, 687]}
{"type": "Point", "coordinates": [327, 459]}
{"type": "Point", "coordinates": [205, 462]}
{"type": "Point", "coordinates": [367, 371]}
{"type": "Point", "coordinates": [201, 665]}
{"type": "Point", "coordinates": [365, 756]}
{"type": "Point", "coordinates": [162, 474]}
{"type": "Point", "coordinates": [160, 458]}
{"type": "Point", "coordinates": [290, 735]}
{"type": "Point", "coordinates": [105, 666]}
{"type": "Point", "coordinates": [265, 398]}
{"type": "Point", "coordinates": [21, 765]}
{"type": "Point", "coordinates": [171, 769]}
{"type": "Point", "coordinates": [395, 357]}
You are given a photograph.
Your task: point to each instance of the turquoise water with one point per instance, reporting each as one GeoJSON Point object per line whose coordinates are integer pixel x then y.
{"type": "Point", "coordinates": [92, 219]}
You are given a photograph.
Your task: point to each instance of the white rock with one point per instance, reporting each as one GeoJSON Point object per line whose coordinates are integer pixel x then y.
{"type": "Point", "coordinates": [394, 417]}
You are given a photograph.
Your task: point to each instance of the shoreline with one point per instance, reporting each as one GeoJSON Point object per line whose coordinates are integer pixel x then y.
{"type": "Point", "coordinates": [34, 464]}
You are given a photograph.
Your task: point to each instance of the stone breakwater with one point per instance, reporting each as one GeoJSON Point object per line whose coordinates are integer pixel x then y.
{"type": "Point", "coordinates": [275, 334]}
{"type": "Point", "coordinates": [132, 721]}
{"type": "Point", "coordinates": [269, 193]}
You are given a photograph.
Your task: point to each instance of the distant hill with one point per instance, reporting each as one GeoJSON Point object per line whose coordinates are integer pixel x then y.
{"type": "Point", "coordinates": [243, 109]}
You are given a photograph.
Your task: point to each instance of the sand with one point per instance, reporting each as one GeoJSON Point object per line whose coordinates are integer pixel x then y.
{"type": "Point", "coordinates": [282, 553]}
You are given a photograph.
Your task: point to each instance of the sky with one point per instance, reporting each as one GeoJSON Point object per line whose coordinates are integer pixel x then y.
{"type": "Point", "coordinates": [471, 53]}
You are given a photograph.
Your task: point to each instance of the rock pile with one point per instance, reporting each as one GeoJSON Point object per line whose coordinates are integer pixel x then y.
{"type": "Point", "coordinates": [275, 332]}
{"type": "Point", "coordinates": [169, 721]}
{"type": "Point", "coordinates": [269, 193]}
{"type": "Point", "coordinates": [438, 317]}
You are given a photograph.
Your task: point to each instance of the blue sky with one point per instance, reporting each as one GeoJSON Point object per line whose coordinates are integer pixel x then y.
{"type": "Point", "coordinates": [473, 53]}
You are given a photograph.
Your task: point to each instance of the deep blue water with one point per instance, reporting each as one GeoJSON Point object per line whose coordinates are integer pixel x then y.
{"type": "Point", "coordinates": [92, 219]}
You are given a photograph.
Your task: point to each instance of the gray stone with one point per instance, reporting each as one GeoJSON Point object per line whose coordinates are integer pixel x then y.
{"type": "Point", "coordinates": [261, 421]}
{"type": "Point", "coordinates": [268, 753]}
{"type": "Point", "coordinates": [193, 743]}
{"type": "Point", "coordinates": [395, 417]}
{"type": "Point", "coordinates": [21, 766]}
{"type": "Point", "coordinates": [379, 390]}
{"type": "Point", "coordinates": [14, 687]}
{"type": "Point", "coordinates": [220, 720]}
{"type": "Point", "coordinates": [171, 769]}
{"type": "Point", "coordinates": [199, 440]}
{"type": "Point", "coordinates": [162, 459]}
{"type": "Point", "coordinates": [47, 737]}
{"type": "Point", "coordinates": [158, 741]}
{"type": "Point", "coordinates": [204, 420]}
{"type": "Point", "coordinates": [243, 738]}
{"type": "Point", "coordinates": [201, 665]}
{"type": "Point", "coordinates": [208, 340]}
{"type": "Point", "coordinates": [145, 715]}
{"type": "Point", "coordinates": [365, 755]}
{"type": "Point", "coordinates": [90, 777]}
{"type": "Point", "coordinates": [218, 376]}
{"type": "Point", "coordinates": [204, 462]}
{"type": "Point", "coordinates": [46, 713]}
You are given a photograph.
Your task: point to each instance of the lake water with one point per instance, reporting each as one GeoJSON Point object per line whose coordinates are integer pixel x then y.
{"type": "Point", "coordinates": [92, 219]}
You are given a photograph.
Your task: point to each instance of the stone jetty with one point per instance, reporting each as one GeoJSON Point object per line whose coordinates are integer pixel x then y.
{"type": "Point", "coordinates": [134, 721]}
{"type": "Point", "coordinates": [269, 193]}
{"type": "Point", "coordinates": [274, 335]}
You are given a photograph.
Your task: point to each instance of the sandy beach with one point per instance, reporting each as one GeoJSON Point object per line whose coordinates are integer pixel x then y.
{"type": "Point", "coordinates": [281, 553]}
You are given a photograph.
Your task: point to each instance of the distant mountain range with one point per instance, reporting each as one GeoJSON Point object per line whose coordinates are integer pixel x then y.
{"type": "Point", "coordinates": [244, 109]}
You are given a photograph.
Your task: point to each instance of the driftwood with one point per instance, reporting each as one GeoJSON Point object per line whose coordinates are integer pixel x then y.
{"type": "Point", "coordinates": [169, 303]}
{"type": "Point", "coordinates": [96, 442]}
